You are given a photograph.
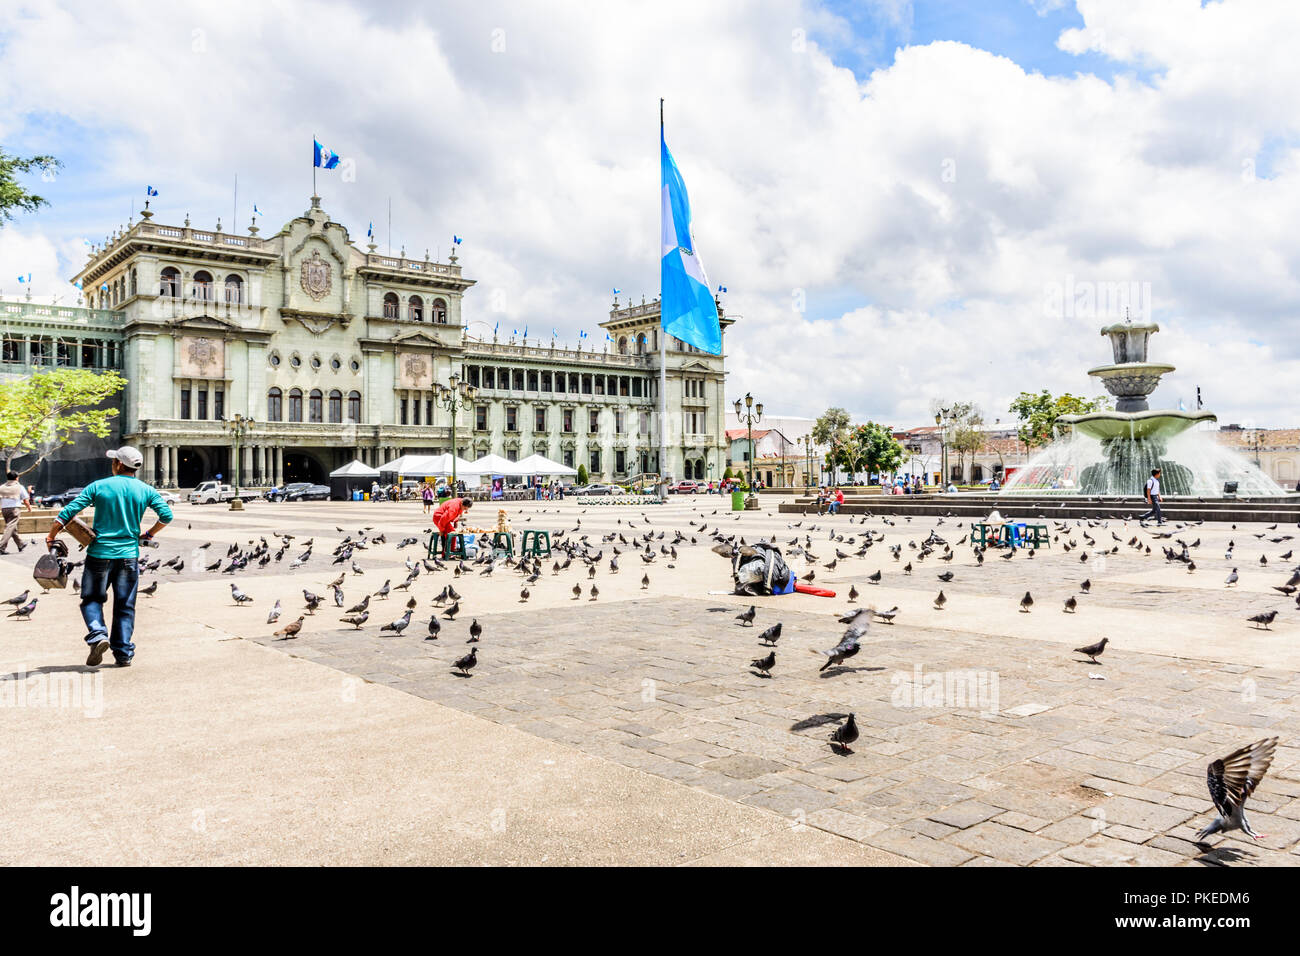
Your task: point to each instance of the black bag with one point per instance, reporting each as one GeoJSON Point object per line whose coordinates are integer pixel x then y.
{"type": "Point", "coordinates": [51, 569]}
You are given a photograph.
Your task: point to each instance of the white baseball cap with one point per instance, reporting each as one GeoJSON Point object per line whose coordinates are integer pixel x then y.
{"type": "Point", "coordinates": [129, 456]}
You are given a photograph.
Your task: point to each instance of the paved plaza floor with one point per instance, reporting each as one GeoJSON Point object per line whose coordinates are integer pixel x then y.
{"type": "Point", "coordinates": [630, 728]}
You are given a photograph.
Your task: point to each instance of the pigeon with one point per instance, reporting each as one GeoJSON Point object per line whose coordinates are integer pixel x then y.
{"type": "Point", "coordinates": [523, 595]}
{"type": "Point", "coordinates": [290, 631]}
{"type": "Point", "coordinates": [595, 592]}
{"type": "Point", "coordinates": [383, 592]}
{"type": "Point", "coordinates": [853, 594]}
{"type": "Point", "coordinates": [645, 581]}
{"type": "Point", "coordinates": [1266, 618]}
{"type": "Point", "coordinates": [946, 576]}
{"type": "Point", "coordinates": [434, 627]}
{"type": "Point", "coordinates": [240, 597]}
{"type": "Point", "coordinates": [1026, 602]}
{"type": "Point", "coordinates": [356, 608]}
{"type": "Point", "coordinates": [1093, 650]}
{"type": "Point", "coordinates": [475, 631]}
{"type": "Point", "coordinates": [888, 616]}
{"type": "Point", "coordinates": [466, 663]}
{"type": "Point", "coordinates": [398, 626]}
{"type": "Point", "coordinates": [19, 600]}
{"type": "Point", "coordinates": [152, 589]}
{"type": "Point", "coordinates": [940, 601]}
{"type": "Point", "coordinates": [1070, 604]}
{"type": "Point", "coordinates": [850, 643]}
{"type": "Point", "coordinates": [764, 664]}
{"type": "Point", "coordinates": [845, 734]}
{"type": "Point", "coordinates": [356, 620]}
{"type": "Point", "coordinates": [1231, 579]}
{"type": "Point", "coordinates": [275, 612]}
{"type": "Point", "coordinates": [577, 591]}
{"type": "Point", "coordinates": [24, 613]}
{"type": "Point", "coordinates": [747, 618]}
{"type": "Point", "coordinates": [1231, 780]}
{"type": "Point", "coordinates": [875, 578]}
{"type": "Point", "coordinates": [313, 601]}
{"type": "Point", "coordinates": [451, 612]}
{"type": "Point", "coordinates": [772, 634]}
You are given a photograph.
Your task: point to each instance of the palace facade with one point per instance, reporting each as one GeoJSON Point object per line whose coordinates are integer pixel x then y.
{"type": "Point", "coordinates": [337, 353]}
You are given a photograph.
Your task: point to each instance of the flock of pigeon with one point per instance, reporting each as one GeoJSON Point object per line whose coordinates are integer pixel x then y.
{"type": "Point", "coordinates": [1230, 780]}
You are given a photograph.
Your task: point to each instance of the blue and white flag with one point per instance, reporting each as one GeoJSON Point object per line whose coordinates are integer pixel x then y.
{"type": "Point", "coordinates": [1181, 406]}
{"type": "Point", "coordinates": [687, 310]}
{"type": "Point", "coordinates": [370, 231]}
{"type": "Point", "coordinates": [25, 279]}
{"type": "Point", "coordinates": [722, 288]}
{"type": "Point", "coordinates": [554, 334]}
{"type": "Point", "coordinates": [256, 211]}
{"type": "Point", "coordinates": [322, 157]}
{"type": "Point", "coordinates": [525, 331]}
{"type": "Point", "coordinates": [495, 329]}
{"type": "Point", "coordinates": [455, 239]}
{"type": "Point", "coordinates": [582, 335]}
{"type": "Point", "coordinates": [150, 191]}
{"type": "Point", "coordinates": [77, 283]}
{"type": "Point", "coordinates": [617, 291]}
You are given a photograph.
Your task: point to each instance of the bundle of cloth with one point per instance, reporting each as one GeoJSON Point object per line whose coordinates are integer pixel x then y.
{"type": "Point", "coordinates": [758, 569]}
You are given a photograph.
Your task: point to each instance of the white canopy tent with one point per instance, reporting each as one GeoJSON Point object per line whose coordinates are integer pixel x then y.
{"type": "Point", "coordinates": [432, 466]}
{"type": "Point", "coordinates": [356, 468]}
{"type": "Point", "coordinates": [541, 465]}
{"type": "Point", "coordinates": [496, 465]}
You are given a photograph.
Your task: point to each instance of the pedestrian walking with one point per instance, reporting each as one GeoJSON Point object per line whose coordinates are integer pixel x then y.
{"type": "Point", "coordinates": [1153, 497]}
{"type": "Point", "coordinates": [12, 496]}
{"type": "Point", "coordinates": [427, 495]}
{"type": "Point", "coordinates": [113, 558]}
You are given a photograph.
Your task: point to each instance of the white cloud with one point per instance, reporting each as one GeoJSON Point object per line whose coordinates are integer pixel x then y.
{"type": "Point", "coordinates": [939, 198]}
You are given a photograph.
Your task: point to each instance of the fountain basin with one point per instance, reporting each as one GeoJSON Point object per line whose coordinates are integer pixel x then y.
{"type": "Point", "coordinates": [1147, 424]}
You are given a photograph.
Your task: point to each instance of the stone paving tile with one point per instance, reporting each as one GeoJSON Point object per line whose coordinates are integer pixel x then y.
{"type": "Point", "coordinates": [944, 785]}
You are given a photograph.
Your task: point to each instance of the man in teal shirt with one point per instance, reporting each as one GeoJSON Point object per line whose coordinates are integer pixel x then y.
{"type": "Point", "coordinates": [113, 559]}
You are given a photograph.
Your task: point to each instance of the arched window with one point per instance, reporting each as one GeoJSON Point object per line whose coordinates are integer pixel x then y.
{"type": "Point", "coordinates": [440, 311]}
{"type": "Point", "coordinates": [640, 344]}
{"type": "Point", "coordinates": [234, 290]}
{"type": "Point", "coordinates": [622, 345]}
{"type": "Point", "coordinates": [295, 405]}
{"type": "Point", "coordinates": [391, 306]}
{"type": "Point", "coordinates": [336, 406]}
{"type": "Point", "coordinates": [354, 406]}
{"type": "Point", "coordinates": [415, 309]}
{"type": "Point", "coordinates": [274, 408]}
{"type": "Point", "coordinates": [135, 287]}
{"type": "Point", "coordinates": [203, 286]}
{"type": "Point", "coordinates": [169, 283]}
{"type": "Point", "coordinates": [314, 406]}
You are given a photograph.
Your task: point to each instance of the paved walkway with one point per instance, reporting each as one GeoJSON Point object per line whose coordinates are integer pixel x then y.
{"type": "Point", "coordinates": [629, 728]}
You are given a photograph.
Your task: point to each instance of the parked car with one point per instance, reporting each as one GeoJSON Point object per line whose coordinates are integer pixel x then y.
{"type": "Point", "coordinates": [59, 500]}
{"type": "Point", "coordinates": [597, 490]}
{"type": "Point", "coordinates": [687, 486]}
{"type": "Point", "coordinates": [303, 491]}
{"type": "Point", "coordinates": [210, 493]}
{"type": "Point", "coordinates": [169, 497]}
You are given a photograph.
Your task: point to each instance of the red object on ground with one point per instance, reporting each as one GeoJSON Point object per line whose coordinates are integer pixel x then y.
{"type": "Point", "coordinates": [809, 589]}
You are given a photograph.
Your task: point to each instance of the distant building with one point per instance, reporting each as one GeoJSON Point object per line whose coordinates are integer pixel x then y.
{"type": "Point", "coordinates": [1275, 450]}
{"type": "Point", "coordinates": [338, 353]}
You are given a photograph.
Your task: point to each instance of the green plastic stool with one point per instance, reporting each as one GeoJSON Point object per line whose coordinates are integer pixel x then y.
{"type": "Point", "coordinates": [453, 546]}
{"type": "Point", "coordinates": [533, 543]}
{"type": "Point", "coordinates": [433, 544]}
{"type": "Point", "coordinates": [508, 547]}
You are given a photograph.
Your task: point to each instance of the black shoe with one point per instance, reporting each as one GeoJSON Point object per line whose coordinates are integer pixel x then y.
{"type": "Point", "coordinates": [124, 662]}
{"type": "Point", "coordinates": [96, 653]}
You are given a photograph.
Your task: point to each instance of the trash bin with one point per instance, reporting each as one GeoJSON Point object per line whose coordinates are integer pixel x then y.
{"type": "Point", "coordinates": [737, 501]}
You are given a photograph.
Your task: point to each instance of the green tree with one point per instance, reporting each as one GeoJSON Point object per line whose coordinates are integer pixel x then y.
{"type": "Point", "coordinates": [49, 409]}
{"type": "Point", "coordinates": [829, 430]}
{"type": "Point", "coordinates": [1038, 413]}
{"type": "Point", "coordinates": [582, 474]}
{"type": "Point", "coordinates": [13, 195]}
{"type": "Point", "coordinates": [870, 448]}
{"type": "Point", "coordinates": [727, 475]}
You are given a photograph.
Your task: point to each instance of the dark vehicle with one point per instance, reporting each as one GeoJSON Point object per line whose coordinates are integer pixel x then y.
{"type": "Point", "coordinates": [58, 501]}
{"type": "Point", "coordinates": [299, 491]}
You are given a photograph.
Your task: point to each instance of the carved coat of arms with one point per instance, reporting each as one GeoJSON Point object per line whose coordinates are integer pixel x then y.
{"type": "Point", "coordinates": [417, 369]}
{"type": "Point", "coordinates": [316, 276]}
{"type": "Point", "coordinates": [202, 353]}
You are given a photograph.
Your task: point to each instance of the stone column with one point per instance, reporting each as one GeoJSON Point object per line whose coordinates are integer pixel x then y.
{"type": "Point", "coordinates": [277, 454]}
{"type": "Point", "coordinates": [166, 466]}
{"type": "Point", "coordinates": [175, 457]}
{"type": "Point", "coordinates": [150, 464]}
{"type": "Point", "coordinates": [245, 465]}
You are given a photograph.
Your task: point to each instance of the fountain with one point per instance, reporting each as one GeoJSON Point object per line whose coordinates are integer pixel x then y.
{"type": "Point", "coordinates": [1113, 452]}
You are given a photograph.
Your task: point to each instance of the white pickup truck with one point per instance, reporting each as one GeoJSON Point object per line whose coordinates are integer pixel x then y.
{"type": "Point", "coordinates": [210, 493]}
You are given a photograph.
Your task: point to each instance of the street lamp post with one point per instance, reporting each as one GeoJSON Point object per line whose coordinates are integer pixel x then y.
{"type": "Point", "coordinates": [748, 413]}
{"type": "Point", "coordinates": [941, 419]}
{"type": "Point", "coordinates": [454, 396]}
{"type": "Point", "coordinates": [239, 427]}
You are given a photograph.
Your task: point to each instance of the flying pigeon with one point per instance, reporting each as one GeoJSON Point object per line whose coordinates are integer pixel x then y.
{"type": "Point", "coordinates": [1231, 780]}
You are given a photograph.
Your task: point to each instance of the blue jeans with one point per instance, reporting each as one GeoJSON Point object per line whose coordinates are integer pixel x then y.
{"type": "Point", "coordinates": [123, 575]}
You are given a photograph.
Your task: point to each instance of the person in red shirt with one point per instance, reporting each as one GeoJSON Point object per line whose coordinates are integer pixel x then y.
{"type": "Point", "coordinates": [448, 513]}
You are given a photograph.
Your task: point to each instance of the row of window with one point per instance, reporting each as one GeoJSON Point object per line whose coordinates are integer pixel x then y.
{"type": "Point", "coordinates": [318, 406]}
{"type": "Point", "coordinates": [566, 420]}
{"type": "Point", "coordinates": [43, 351]}
{"type": "Point", "coordinates": [194, 404]}
{"type": "Point", "coordinates": [414, 308]}
{"type": "Point", "coordinates": [572, 383]}
{"type": "Point", "coordinates": [202, 286]}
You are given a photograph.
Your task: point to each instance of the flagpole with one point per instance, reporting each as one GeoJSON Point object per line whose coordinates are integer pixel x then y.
{"type": "Point", "coordinates": [313, 165]}
{"type": "Point", "coordinates": [663, 340]}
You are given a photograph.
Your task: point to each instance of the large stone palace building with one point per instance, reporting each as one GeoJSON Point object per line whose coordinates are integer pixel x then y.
{"type": "Point", "coordinates": [337, 353]}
